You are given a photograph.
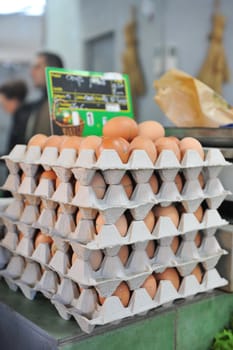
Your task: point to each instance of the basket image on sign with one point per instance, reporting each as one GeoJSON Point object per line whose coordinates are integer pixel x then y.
{"type": "Point", "coordinates": [89, 97]}
{"type": "Point", "coordinates": [69, 121]}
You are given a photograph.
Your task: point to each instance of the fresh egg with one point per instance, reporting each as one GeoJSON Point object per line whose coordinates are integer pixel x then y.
{"type": "Point", "coordinates": [79, 216]}
{"type": "Point", "coordinates": [124, 254]}
{"type": "Point", "coordinates": [150, 249]}
{"type": "Point", "coordinates": [169, 211]}
{"type": "Point", "coordinates": [190, 143]}
{"type": "Point", "coordinates": [201, 180]}
{"type": "Point", "coordinates": [179, 182]}
{"type": "Point", "coordinates": [54, 141]}
{"type": "Point", "coordinates": [90, 142]}
{"type": "Point", "coordinates": [142, 143]}
{"type": "Point", "coordinates": [197, 272]}
{"type": "Point", "coordinates": [127, 183]}
{"type": "Point", "coordinates": [154, 183]}
{"type": "Point", "coordinates": [96, 258]}
{"type": "Point", "coordinates": [123, 127]}
{"type": "Point", "coordinates": [120, 145]}
{"type": "Point", "coordinates": [38, 140]}
{"type": "Point", "coordinates": [175, 139]}
{"type": "Point", "coordinates": [74, 258]}
{"type": "Point", "coordinates": [42, 238]}
{"type": "Point", "coordinates": [170, 274]}
{"type": "Point", "coordinates": [198, 240]}
{"type": "Point", "coordinates": [150, 286]}
{"type": "Point", "coordinates": [20, 236]}
{"type": "Point", "coordinates": [121, 224]}
{"type": "Point", "coordinates": [58, 182]}
{"type": "Point", "coordinates": [53, 249]}
{"type": "Point", "coordinates": [199, 213]}
{"type": "Point", "coordinates": [151, 130]}
{"type": "Point", "coordinates": [71, 142]}
{"type": "Point", "coordinates": [49, 175]}
{"type": "Point", "coordinates": [175, 244]}
{"type": "Point", "coordinates": [98, 184]}
{"type": "Point", "coordinates": [166, 143]}
{"type": "Point", "coordinates": [122, 292]}
{"type": "Point", "coordinates": [76, 187]}
{"type": "Point", "coordinates": [149, 220]}
{"type": "Point", "coordinates": [59, 210]}
{"type": "Point", "coordinates": [22, 177]}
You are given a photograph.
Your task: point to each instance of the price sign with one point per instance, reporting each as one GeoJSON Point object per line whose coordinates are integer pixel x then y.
{"type": "Point", "coordinates": [94, 97]}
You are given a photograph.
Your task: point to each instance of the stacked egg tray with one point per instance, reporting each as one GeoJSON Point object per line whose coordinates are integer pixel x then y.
{"type": "Point", "coordinates": [72, 288]}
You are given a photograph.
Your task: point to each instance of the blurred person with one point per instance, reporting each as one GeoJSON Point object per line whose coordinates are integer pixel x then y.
{"type": "Point", "coordinates": [12, 98]}
{"type": "Point", "coordinates": [39, 121]}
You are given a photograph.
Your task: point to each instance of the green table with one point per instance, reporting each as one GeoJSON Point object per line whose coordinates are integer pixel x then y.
{"type": "Point", "coordinates": [187, 325]}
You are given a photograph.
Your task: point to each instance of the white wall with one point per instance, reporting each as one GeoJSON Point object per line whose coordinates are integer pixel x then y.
{"type": "Point", "coordinates": [63, 31]}
{"type": "Point", "coordinates": [186, 25]}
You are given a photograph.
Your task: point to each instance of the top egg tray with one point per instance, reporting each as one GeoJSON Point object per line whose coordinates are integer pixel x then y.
{"type": "Point", "coordinates": [84, 166]}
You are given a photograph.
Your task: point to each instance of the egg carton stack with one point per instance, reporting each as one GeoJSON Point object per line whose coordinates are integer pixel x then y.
{"type": "Point", "coordinates": [109, 255]}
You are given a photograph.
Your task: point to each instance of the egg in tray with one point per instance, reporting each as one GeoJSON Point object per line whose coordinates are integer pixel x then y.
{"type": "Point", "coordinates": [110, 227]}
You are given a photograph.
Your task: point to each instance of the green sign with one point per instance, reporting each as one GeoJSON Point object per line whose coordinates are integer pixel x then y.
{"type": "Point", "coordinates": [94, 97]}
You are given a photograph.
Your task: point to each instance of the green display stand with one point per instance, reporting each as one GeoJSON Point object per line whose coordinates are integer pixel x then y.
{"type": "Point", "coordinates": [187, 325]}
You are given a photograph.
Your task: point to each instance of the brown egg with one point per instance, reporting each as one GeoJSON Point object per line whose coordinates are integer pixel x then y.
{"type": "Point", "coordinates": [20, 236]}
{"type": "Point", "coordinates": [71, 142]}
{"type": "Point", "coordinates": [96, 258]}
{"type": "Point", "coordinates": [170, 274]}
{"type": "Point", "coordinates": [197, 272]}
{"type": "Point", "coordinates": [122, 292]}
{"type": "Point", "coordinates": [199, 213]}
{"type": "Point", "coordinates": [190, 143]}
{"type": "Point", "coordinates": [58, 182]}
{"type": "Point", "coordinates": [42, 238]}
{"type": "Point", "coordinates": [154, 183]}
{"type": "Point", "coordinates": [42, 207]}
{"type": "Point", "coordinates": [142, 143]}
{"type": "Point", "coordinates": [120, 145]}
{"type": "Point", "coordinates": [175, 244]}
{"type": "Point", "coordinates": [169, 211]}
{"type": "Point", "coordinates": [124, 254]}
{"type": "Point", "coordinates": [149, 220]}
{"type": "Point", "coordinates": [150, 286]}
{"type": "Point", "coordinates": [175, 139]}
{"type": "Point", "coordinates": [49, 175]}
{"type": "Point", "coordinates": [76, 187]}
{"type": "Point", "coordinates": [98, 184]}
{"type": "Point", "coordinates": [166, 143]}
{"type": "Point", "coordinates": [198, 240]}
{"type": "Point", "coordinates": [201, 180]}
{"type": "Point", "coordinates": [121, 127]}
{"type": "Point", "coordinates": [79, 216]}
{"type": "Point", "coordinates": [151, 130]}
{"type": "Point", "coordinates": [53, 249]}
{"type": "Point", "coordinates": [59, 210]}
{"type": "Point", "coordinates": [53, 141]}
{"type": "Point", "coordinates": [179, 182]}
{"type": "Point", "coordinates": [38, 140]}
{"type": "Point", "coordinates": [121, 224]}
{"type": "Point", "coordinates": [90, 142]}
{"type": "Point", "coordinates": [127, 183]}
{"type": "Point", "coordinates": [74, 258]}
{"type": "Point", "coordinates": [22, 177]}
{"type": "Point", "coordinates": [150, 249]}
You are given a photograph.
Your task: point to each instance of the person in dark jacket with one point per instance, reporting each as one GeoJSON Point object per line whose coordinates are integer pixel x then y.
{"type": "Point", "coordinates": [12, 97]}
{"type": "Point", "coordinates": [39, 121]}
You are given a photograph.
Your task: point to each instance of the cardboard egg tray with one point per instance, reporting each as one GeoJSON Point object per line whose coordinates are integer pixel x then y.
{"type": "Point", "coordinates": [66, 296]}
{"type": "Point", "coordinates": [112, 271]}
{"type": "Point", "coordinates": [28, 158]}
{"type": "Point", "coordinates": [60, 281]}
